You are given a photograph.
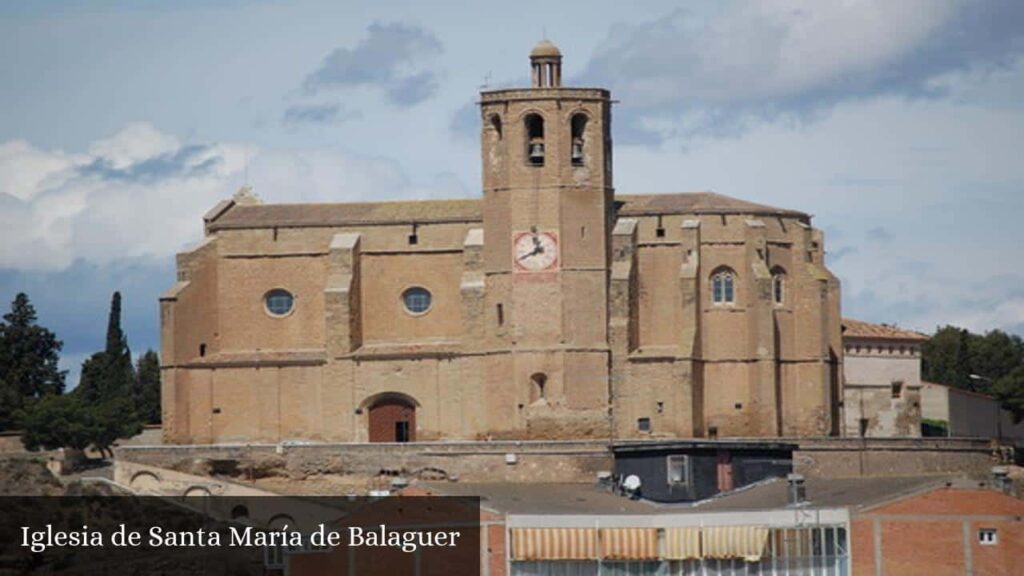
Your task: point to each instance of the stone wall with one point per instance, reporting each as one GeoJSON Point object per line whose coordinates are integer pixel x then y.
{"type": "Point", "coordinates": [465, 461]}
{"type": "Point", "coordinates": [528, 462]}
{"type": "Point", "coordinates": [849, 457]}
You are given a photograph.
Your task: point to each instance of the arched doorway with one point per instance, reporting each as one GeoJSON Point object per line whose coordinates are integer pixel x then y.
{"type": "Point", "coordinates": [392, 419]}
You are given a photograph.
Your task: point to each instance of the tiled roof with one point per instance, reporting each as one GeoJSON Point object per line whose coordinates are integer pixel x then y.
{"type": "Point", "coordinates": [469, 210]}
{"type": "Point", "coordinates": [859, 329]}
{"type": "Point", "coordinates": [348, 213]}
{"type": "Point", "coordinates": [696, 203]}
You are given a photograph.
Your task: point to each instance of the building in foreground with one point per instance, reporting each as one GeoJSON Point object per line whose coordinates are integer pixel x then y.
{"type": "Point", "coordinates": [549, 308]}
{"type": "Point", "coordinates": [859, 526]}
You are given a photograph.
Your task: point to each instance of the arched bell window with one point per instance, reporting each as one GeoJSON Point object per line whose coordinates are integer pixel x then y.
{"type": "Point", "coordinates": [534, 124]}
{"type": "Point", "coordinates": [723, 286]}
{"type": "Point", "coordinates": [496, 125]}
{"type": "Point", "coordinates": [578, 126]}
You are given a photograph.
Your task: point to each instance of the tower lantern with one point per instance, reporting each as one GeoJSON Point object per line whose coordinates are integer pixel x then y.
{"type": "Point", "coordinates": [546, 65]}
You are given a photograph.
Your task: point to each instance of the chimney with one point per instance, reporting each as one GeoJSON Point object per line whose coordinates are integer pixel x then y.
{"type": "Point", "coordinates": [1001, 479]}
{"type": "Point", "coordinates": [797, 490]}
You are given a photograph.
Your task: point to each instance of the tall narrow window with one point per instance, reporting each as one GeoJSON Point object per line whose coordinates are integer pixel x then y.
{"type": "Point", "coordinates": [534, 140]}
{"type": "Point", "coordinates": [538, 382]}
{"type": "Point", "coordinates": [778, 286]}
{"type": "Point", "coordinates": [579, 126]}
{"type": "Point", "coordinates": [496, 125]}
{"type": "Point", "coordinates": [723, 287]}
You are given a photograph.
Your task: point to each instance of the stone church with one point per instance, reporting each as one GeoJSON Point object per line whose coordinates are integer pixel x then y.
{"type": "Point", "coordinates": [549, 308]}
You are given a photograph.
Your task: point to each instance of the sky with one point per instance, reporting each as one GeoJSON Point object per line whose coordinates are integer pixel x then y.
{"type": "Point", "coordinates": [898, 125]}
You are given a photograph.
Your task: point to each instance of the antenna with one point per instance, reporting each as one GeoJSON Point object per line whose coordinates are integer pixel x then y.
{"type": "Point", "coordinates": [487, 81]}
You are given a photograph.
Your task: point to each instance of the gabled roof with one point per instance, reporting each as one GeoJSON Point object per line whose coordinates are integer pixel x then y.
{"type": "Point", "coordinates": [860, 329]}
{"type": "Point", "coordinates": [348, 214]}
{"type": "Point", "coordinates": [696, 203]}
{"type": "Point", "coordinates": [239, 216]}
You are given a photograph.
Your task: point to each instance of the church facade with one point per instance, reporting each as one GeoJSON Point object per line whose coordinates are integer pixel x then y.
{"type": "Point", "coordinates": [549, 308]}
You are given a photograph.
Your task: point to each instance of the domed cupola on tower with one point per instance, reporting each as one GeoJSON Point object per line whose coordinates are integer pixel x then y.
{"type": "Point", "coordinates": [546, 64]}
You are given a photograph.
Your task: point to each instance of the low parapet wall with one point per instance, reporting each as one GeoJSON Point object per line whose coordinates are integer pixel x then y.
{"type": "Point", "coordinates": [548, 461]}
{"type": "Point", "coordinates": [874, 457]}
{"type": "Point", "coordinates": [466, 461]}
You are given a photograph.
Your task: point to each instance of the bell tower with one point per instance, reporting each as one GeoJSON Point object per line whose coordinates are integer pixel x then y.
{"type": "Point", "coordinates": [548, 209]}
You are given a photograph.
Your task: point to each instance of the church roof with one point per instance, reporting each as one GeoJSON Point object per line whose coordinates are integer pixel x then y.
{"type": "Point", "coordinates": [349, 213]}
{"type": "Point", "coordinates": [468, 210]}
{"type": "Point", "coordinates": [696, 203]}
{"type": "Point", "coordinates": [860, 329]}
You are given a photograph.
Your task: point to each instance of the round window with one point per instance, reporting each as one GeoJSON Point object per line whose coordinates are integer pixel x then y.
{"type": "Point", "coordinates": [279, 302]}
{"type": "Point", "coordinates": [416, 300]}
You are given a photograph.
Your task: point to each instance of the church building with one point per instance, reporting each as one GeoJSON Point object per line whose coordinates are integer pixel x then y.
{"type": "Point", "coordinates": [550, 307]}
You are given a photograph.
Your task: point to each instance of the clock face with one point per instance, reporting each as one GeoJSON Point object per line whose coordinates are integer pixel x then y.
{"type": "Point", "coordinates": [535, 251]}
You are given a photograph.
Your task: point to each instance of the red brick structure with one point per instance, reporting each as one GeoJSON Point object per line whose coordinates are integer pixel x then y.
{"type": "Point", "coordinates": [946, 531]}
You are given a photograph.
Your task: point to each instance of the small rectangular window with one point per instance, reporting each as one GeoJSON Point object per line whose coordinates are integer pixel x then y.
{"type": "Point", "coordinates": [501, 314]}
{"type": "Point", "coordinates": [643, 424]}
{"type": "Point", "coordinates": [897, 390]}
{"type": "Point", "coordinates": [678, 469]}
{"type": "Point", "coordinates": [659, 232]}
{"type": "Point", "coordinates": [988, 537]}
{"type": "Point", "coordinates": [414, 239]}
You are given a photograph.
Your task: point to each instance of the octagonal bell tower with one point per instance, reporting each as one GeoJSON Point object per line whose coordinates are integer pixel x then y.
{"type": "Point", "coordinates": [548, 202]}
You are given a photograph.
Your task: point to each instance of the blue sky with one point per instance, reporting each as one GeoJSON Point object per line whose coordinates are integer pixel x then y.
{"type": "Point", "coordinates": [899, 125]}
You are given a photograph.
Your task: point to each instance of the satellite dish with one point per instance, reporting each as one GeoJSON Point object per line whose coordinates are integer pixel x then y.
{"type": "Point", "coordinates": [631, 483]}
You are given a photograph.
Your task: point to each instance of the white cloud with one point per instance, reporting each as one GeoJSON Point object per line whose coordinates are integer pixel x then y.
{"type": "Point", "coordinates": [142, 193]}
{"type": "Point", "coordinates": [684, 73]}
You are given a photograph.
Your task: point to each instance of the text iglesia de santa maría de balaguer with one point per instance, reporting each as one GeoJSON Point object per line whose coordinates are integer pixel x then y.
{"type": "Point", "coordinates": [549, 308]}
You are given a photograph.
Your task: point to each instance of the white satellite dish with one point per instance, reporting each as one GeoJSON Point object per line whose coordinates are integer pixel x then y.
{"type": "Point", "coordinates": [631, 483]}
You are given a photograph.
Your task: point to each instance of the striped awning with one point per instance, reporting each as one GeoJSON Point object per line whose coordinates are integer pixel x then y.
{"type": "Point", "coordinates": [554, 543]}
{"type": "Point", "coordinates": [747, 542]}
{"type": "Point", "coordinates": [629, 543]}
{"type": "Point", "coordinates": [682, 543]}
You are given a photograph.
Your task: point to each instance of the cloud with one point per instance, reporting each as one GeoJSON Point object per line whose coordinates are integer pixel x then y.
{"type": "Point", "coordinates": [392, 58]}
{"type": "Point", "coordinates": [793, 60]}
{"type": "Point", "coordinates": [316, 114]}
{"type": "Point", "coordinates": [141, 193]}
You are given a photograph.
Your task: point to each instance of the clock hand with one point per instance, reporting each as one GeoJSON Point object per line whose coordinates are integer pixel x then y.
{"type": "Point", "coordinates": [535, 251]}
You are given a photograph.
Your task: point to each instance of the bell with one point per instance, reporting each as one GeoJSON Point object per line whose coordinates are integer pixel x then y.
{"type": "Point", "coordinates": [536, 152]}
{"type": "Point", "coordinates": [577, 152]}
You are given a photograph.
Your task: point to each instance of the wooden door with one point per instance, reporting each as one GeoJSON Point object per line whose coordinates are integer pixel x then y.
{"type": "Point", "coordinates": [392, 420]}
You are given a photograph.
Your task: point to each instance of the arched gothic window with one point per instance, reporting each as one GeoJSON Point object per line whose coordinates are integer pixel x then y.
{"type": "Point", "coordinates": [723, 287]}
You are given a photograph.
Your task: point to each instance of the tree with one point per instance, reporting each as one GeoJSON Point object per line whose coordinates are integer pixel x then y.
{"type": "Point", "coordinates": [1009, 389]}
{"type": "Point", "coordinates": [29, 357]}
{"type": "Point", "coordinates": [109, 374]}
{"type": "Point", "coordinates": [58, 422]}
{"type": "Point", "coordinates": [946, 357]}
{"type": "Point", "coordinates": [994, 359]}
{"type": "Point", "coordinates": [101, 409]}
{"type": "Point", "coordinates": [147, 388]}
